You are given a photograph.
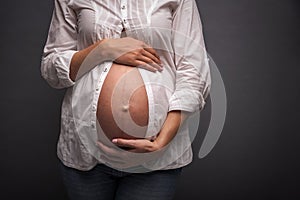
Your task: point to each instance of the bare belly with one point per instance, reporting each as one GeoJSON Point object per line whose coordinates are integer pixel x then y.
{"type": "Point", "coordinates": [122, 109]}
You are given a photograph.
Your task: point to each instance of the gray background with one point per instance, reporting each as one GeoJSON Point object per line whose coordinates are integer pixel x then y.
{"type": "Point", "coordinates": [256, 47]}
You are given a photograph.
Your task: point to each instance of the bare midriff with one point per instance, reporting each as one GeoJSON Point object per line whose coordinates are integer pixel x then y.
{"type": "Point", "coordinates": [122, 98]}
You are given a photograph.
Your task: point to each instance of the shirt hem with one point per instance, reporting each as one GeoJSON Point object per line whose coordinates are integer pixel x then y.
{"type": "Point", "coordinates": [72, 165]}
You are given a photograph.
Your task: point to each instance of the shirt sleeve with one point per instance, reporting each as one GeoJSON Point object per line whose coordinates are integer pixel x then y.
{"type": "Point", "coordinates": [60, 46]}
{"type": "Point", "coordinates": [192, 68]}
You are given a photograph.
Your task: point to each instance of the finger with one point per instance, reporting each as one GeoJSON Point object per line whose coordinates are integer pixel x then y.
{"type": "Point", "coordinates": [151, 50]}
{"type": "Point", "coordinates": [156, 66]}
{"type": "Point", "coordinates": [124, 142]}
{"type": "Point", "coordinates": [151, 56]}
{"type": "Point", "coordinates": [144, 65]}
{"type": "Point", "coordinates": [150, 62]}
{"type": "Point", "coordinates": [143, 62]}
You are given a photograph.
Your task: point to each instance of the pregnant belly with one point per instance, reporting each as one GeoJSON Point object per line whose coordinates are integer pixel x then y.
{"type": "Point", "coordinates": [122, 109]}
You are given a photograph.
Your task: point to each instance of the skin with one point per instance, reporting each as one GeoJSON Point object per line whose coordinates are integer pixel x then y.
{"type": "Point", "coordinates": [135, 53]}
{"type": "Point", "coordinates": [167, 133]}
{"type": "Point", "coordinates": [126, 51]}
{"type": "Point", "coordinates": [124, 94]}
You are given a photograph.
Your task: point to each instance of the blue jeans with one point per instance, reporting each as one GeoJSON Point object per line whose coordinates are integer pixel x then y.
{"type": "Point", "coordinates": [105, 183]}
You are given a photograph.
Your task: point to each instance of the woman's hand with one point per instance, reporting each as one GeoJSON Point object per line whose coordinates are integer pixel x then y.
{"type": "Point", "coordinates": [129, 51]}
{"type": "Point", "coordinates": [166, 134]}
{"type": "Point", "coordinates": [137, 145]}
{"type": "Point", "coordinates": [138, 152]}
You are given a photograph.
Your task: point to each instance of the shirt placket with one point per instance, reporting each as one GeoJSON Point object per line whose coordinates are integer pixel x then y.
{"type": "Point", "coordinates": [106, 68]}
{"type": "Point", "coordinates": [124, 13]}
{"type": "Point", "coordinates": [98, 87]}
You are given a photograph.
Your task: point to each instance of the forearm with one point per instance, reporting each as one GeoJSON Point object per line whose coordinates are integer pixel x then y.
{"type": "Point", "coordinates": [86, 59]}
{"type": "Point", "coordinates": [170, 127]}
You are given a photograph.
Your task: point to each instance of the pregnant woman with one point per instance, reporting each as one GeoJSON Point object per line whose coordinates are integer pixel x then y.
{"type": "Point", "coordinates": [133, 71]}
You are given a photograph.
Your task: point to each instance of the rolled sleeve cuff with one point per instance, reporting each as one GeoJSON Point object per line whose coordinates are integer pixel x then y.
{"type": "Point", "coordinates": [188, 102]}
{"type": "Point", "coordinates": [62, 66]}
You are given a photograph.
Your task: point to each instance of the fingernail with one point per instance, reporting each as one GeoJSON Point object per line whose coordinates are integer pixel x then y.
{"type": "Point", "coordinates": [115, 140]}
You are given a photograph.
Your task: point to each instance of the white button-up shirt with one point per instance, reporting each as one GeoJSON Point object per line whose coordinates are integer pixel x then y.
{"type": "Point", "coordinates": [172, 27]}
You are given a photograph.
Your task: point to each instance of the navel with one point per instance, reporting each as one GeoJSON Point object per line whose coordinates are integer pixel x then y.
{"type": "Point", "coordinates": [125, 108]}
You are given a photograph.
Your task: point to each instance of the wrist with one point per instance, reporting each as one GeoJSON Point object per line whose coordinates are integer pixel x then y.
{"type": "Point", "coordinates": [106, 50]}
{"type": "Point", "coordinates": [156, 145]}
{"type": "Point", "coordinates": [161, 140]}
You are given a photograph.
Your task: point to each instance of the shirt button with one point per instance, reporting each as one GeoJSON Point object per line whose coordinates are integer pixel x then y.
{"type": "Point", "coordinates": [123, 7]}
{"type": "Point", "coordinates": [93, 124]}
{"type": "Point", "coordinates": [124, 20]}
{"type": "Point", "coordinates": [97, 89]}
